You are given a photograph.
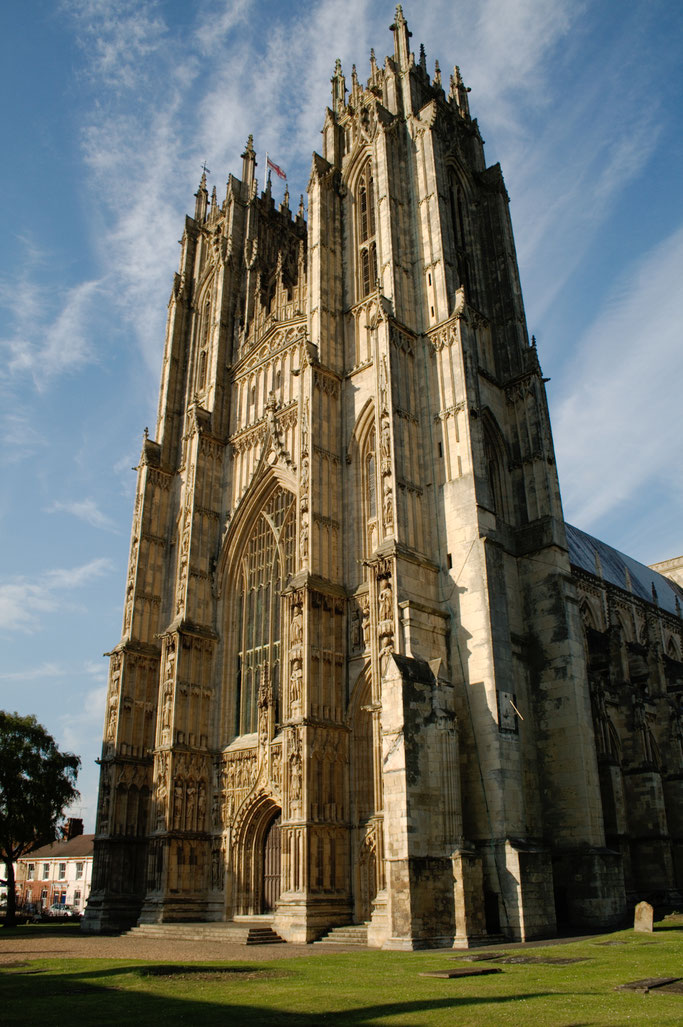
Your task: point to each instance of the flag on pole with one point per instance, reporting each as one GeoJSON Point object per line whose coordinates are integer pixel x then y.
{"type": "Point", "coordinates": [274, 167]}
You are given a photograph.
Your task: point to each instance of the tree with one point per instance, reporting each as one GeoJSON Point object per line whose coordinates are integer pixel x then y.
{"type": "Point", "coordinates": [37, 782]}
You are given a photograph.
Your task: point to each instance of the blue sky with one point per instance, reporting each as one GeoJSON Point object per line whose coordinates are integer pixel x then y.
{"type": "Point", "coordinates": [111, 106]}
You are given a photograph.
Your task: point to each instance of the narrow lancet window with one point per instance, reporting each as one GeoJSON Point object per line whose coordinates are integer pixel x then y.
{"type": "Point", "coordinates": [366, 230]}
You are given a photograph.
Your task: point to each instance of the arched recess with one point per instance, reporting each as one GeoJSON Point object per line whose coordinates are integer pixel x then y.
{"type": "Point", "coordinates": [366, 799]}
{"type": "Point", "coordinates": [249, 855]}
{"type": "Point", "coordinates": [361, 185]}
{"type": "Point", "coordinates": [460, 232]}
{"type": "Point", "coordinates": [256, 563]}
{"type": "Point", "coordinates": [496, 466]}
{"type": "Point", "coordinates": [201, 358]}
{"type": "Point", "coordinates": [363, 456]}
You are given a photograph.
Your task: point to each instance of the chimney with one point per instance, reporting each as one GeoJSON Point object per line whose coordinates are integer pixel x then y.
{"type": "Point", "coordinates": [74, 827]}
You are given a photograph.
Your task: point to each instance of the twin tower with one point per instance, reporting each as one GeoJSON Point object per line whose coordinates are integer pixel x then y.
{"type": "Point", "coordinates": [351, 685]}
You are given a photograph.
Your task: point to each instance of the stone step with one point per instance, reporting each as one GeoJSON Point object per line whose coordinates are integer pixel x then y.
{"type": "Point", "coordinates": [232, 933]}
{"type": "Point", "coordinates": [355, 935]}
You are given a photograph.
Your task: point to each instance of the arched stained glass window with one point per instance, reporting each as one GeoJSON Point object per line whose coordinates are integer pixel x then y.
{"type": "Point", "coordinates": [265, 568]}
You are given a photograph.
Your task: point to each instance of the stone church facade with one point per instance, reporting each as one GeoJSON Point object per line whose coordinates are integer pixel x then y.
{"type": "Point", "coordinates": [363, 675]}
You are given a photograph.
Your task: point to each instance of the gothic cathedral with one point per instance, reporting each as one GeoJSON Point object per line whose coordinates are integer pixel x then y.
{"type": "Point", "coordinates": [367, 674]}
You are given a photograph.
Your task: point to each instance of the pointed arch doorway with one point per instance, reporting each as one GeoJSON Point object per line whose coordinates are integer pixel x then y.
{"type": "Point", "coordinates": [272, 850]}
{"type": "Point", "coordinates": [258, 860]}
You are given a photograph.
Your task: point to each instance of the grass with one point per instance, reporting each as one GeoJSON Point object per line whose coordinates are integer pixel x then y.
{"type": "Point", "coordinates": [364, 987]}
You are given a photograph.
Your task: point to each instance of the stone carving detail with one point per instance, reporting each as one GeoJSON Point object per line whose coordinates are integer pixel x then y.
{"type": "Point", "coordinates": [161, 792]}
{"type": "Point", "coordinates": [189, 804]}
{"type": "Point", "coordinates": [385, 609]}
{"type": "Point", "coordinates": [217, 867]}
{"type": "Point", "coordinates": [295, 774]}
{"type": "Point", "coordinates": [296, 651]}
{"type": "Point", "coordinates": [385, 461]}
{"type": "Point", "coordinates": [276, 767]}
{"type": "Point", "coordinates": [183, 559]}
{"type": "Point", "coordinates": [275, 427]}
{"type": "Point", "coordinates": [264, 702]}
{"type": "Point", "coordinates": [304, 485]}
{"type": "Point", "coordinates": [237, 778]}
{"type": "Point", "coordinates": [114, 698]}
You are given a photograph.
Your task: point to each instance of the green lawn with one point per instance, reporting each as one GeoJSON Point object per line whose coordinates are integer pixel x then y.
{"type": "Point", "coordinates": [356, 988]}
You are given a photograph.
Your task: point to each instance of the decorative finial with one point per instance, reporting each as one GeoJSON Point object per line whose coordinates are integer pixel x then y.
{"type": "Point", "coordinates": [286, 198]}
{"type": "Point", "coordinates": [145, 434]}
{"type": "Point", "coordinates": [338, 66]}
{"type": "Point", "coordinates": [423, 58]}
{"type": "Point", "coordinates": [301, 206]}
{"type": "Point", "coordinates": [437, 74]}
{"type": "Point", "coordinates": [533, 341]}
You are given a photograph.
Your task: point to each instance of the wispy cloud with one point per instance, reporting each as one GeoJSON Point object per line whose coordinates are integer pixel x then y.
{"type": "Point", "coordinates": [44, 671]}
{"type": "Point", "coordinates": [50, 334]}
{"type": "Point", "coordinates": [23, 602]}
{"type": "Point", "coordinates": [200, 94]}
{"type": "Point", "coordinates": [617, 409]}
{"type": "Point", "coordinates": [86, 510]}
{"type": "Point", "coordinates": [83, 723]}
{"type": "Point", "coordinates": [19, 438]}
{"type": "Point", "coordinates": [118, 36]}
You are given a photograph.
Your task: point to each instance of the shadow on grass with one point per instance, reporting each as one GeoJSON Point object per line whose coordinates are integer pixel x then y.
{"type": "Point", "coordinates": [72, 997]}
{"type": "Point", "coordinates": [42, 929]}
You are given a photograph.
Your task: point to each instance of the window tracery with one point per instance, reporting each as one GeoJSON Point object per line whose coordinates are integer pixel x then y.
{"type": "Point", "coordinates": [266, 566]}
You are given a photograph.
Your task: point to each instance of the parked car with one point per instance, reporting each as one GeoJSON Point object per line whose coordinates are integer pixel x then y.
{"type": "Point", "coordinates": [59, 909]}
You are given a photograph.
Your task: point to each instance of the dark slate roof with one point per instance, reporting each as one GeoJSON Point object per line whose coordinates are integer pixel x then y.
{"type": "Point", "coordinates": [617, 568]}
{"type": "Point", "coordinates": [81, 845]}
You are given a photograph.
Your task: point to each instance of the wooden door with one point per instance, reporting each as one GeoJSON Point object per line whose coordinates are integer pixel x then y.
{"type": "Point", "coordinates": [271, 866]}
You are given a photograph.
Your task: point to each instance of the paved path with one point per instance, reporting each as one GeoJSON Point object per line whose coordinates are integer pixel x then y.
{"type": "Point", "coordinates": [26, 943]}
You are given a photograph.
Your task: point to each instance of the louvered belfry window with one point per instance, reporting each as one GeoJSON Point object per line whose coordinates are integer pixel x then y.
{"type": "Point", "coordinates": [266, 566]}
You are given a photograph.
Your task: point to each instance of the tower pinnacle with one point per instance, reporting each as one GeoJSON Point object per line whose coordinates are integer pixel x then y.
{"type": "Point", "coordinates": [401, 37]}
{"type": "Point", "coordinates": [338, 87]}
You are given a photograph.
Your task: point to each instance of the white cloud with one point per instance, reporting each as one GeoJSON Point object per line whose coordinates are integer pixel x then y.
{"type": "Point", "coordinates": [83, 722]}
{"type": "Point", "coordinates": [45, 670]}
{"type": "Point", "coordinates": [617, 419]}
{"type": "Point", "coordinates": [86, 510]}
{"type": "Point", "coordinates": [50, 336]}
{"type": "Point", "coordinates": [97, 670]}
{"type": "Point", "coordinates": [23, 602]}
{"type": "Point", "coordinates": [118, 36]}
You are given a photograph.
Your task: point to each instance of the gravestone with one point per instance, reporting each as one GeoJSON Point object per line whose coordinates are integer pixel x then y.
{"type": "Point", "coordinates": [643, 918]}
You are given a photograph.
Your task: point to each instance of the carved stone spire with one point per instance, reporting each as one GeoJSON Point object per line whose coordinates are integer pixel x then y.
{"type": "Point", "coordinates": [338, 88]}
{"type": "Point", "coordinates": [459, 92]}
{"type": "Point", "coordinates": [373, 67]}
{"type": "Point", "coordinates": [248, 164]}
{"type": "Point", "coordinates": [202, 198]}
{"type": "Point", "coordinates": [423, 58]}
{"type": "Point", "coordinates": [401, 37]}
